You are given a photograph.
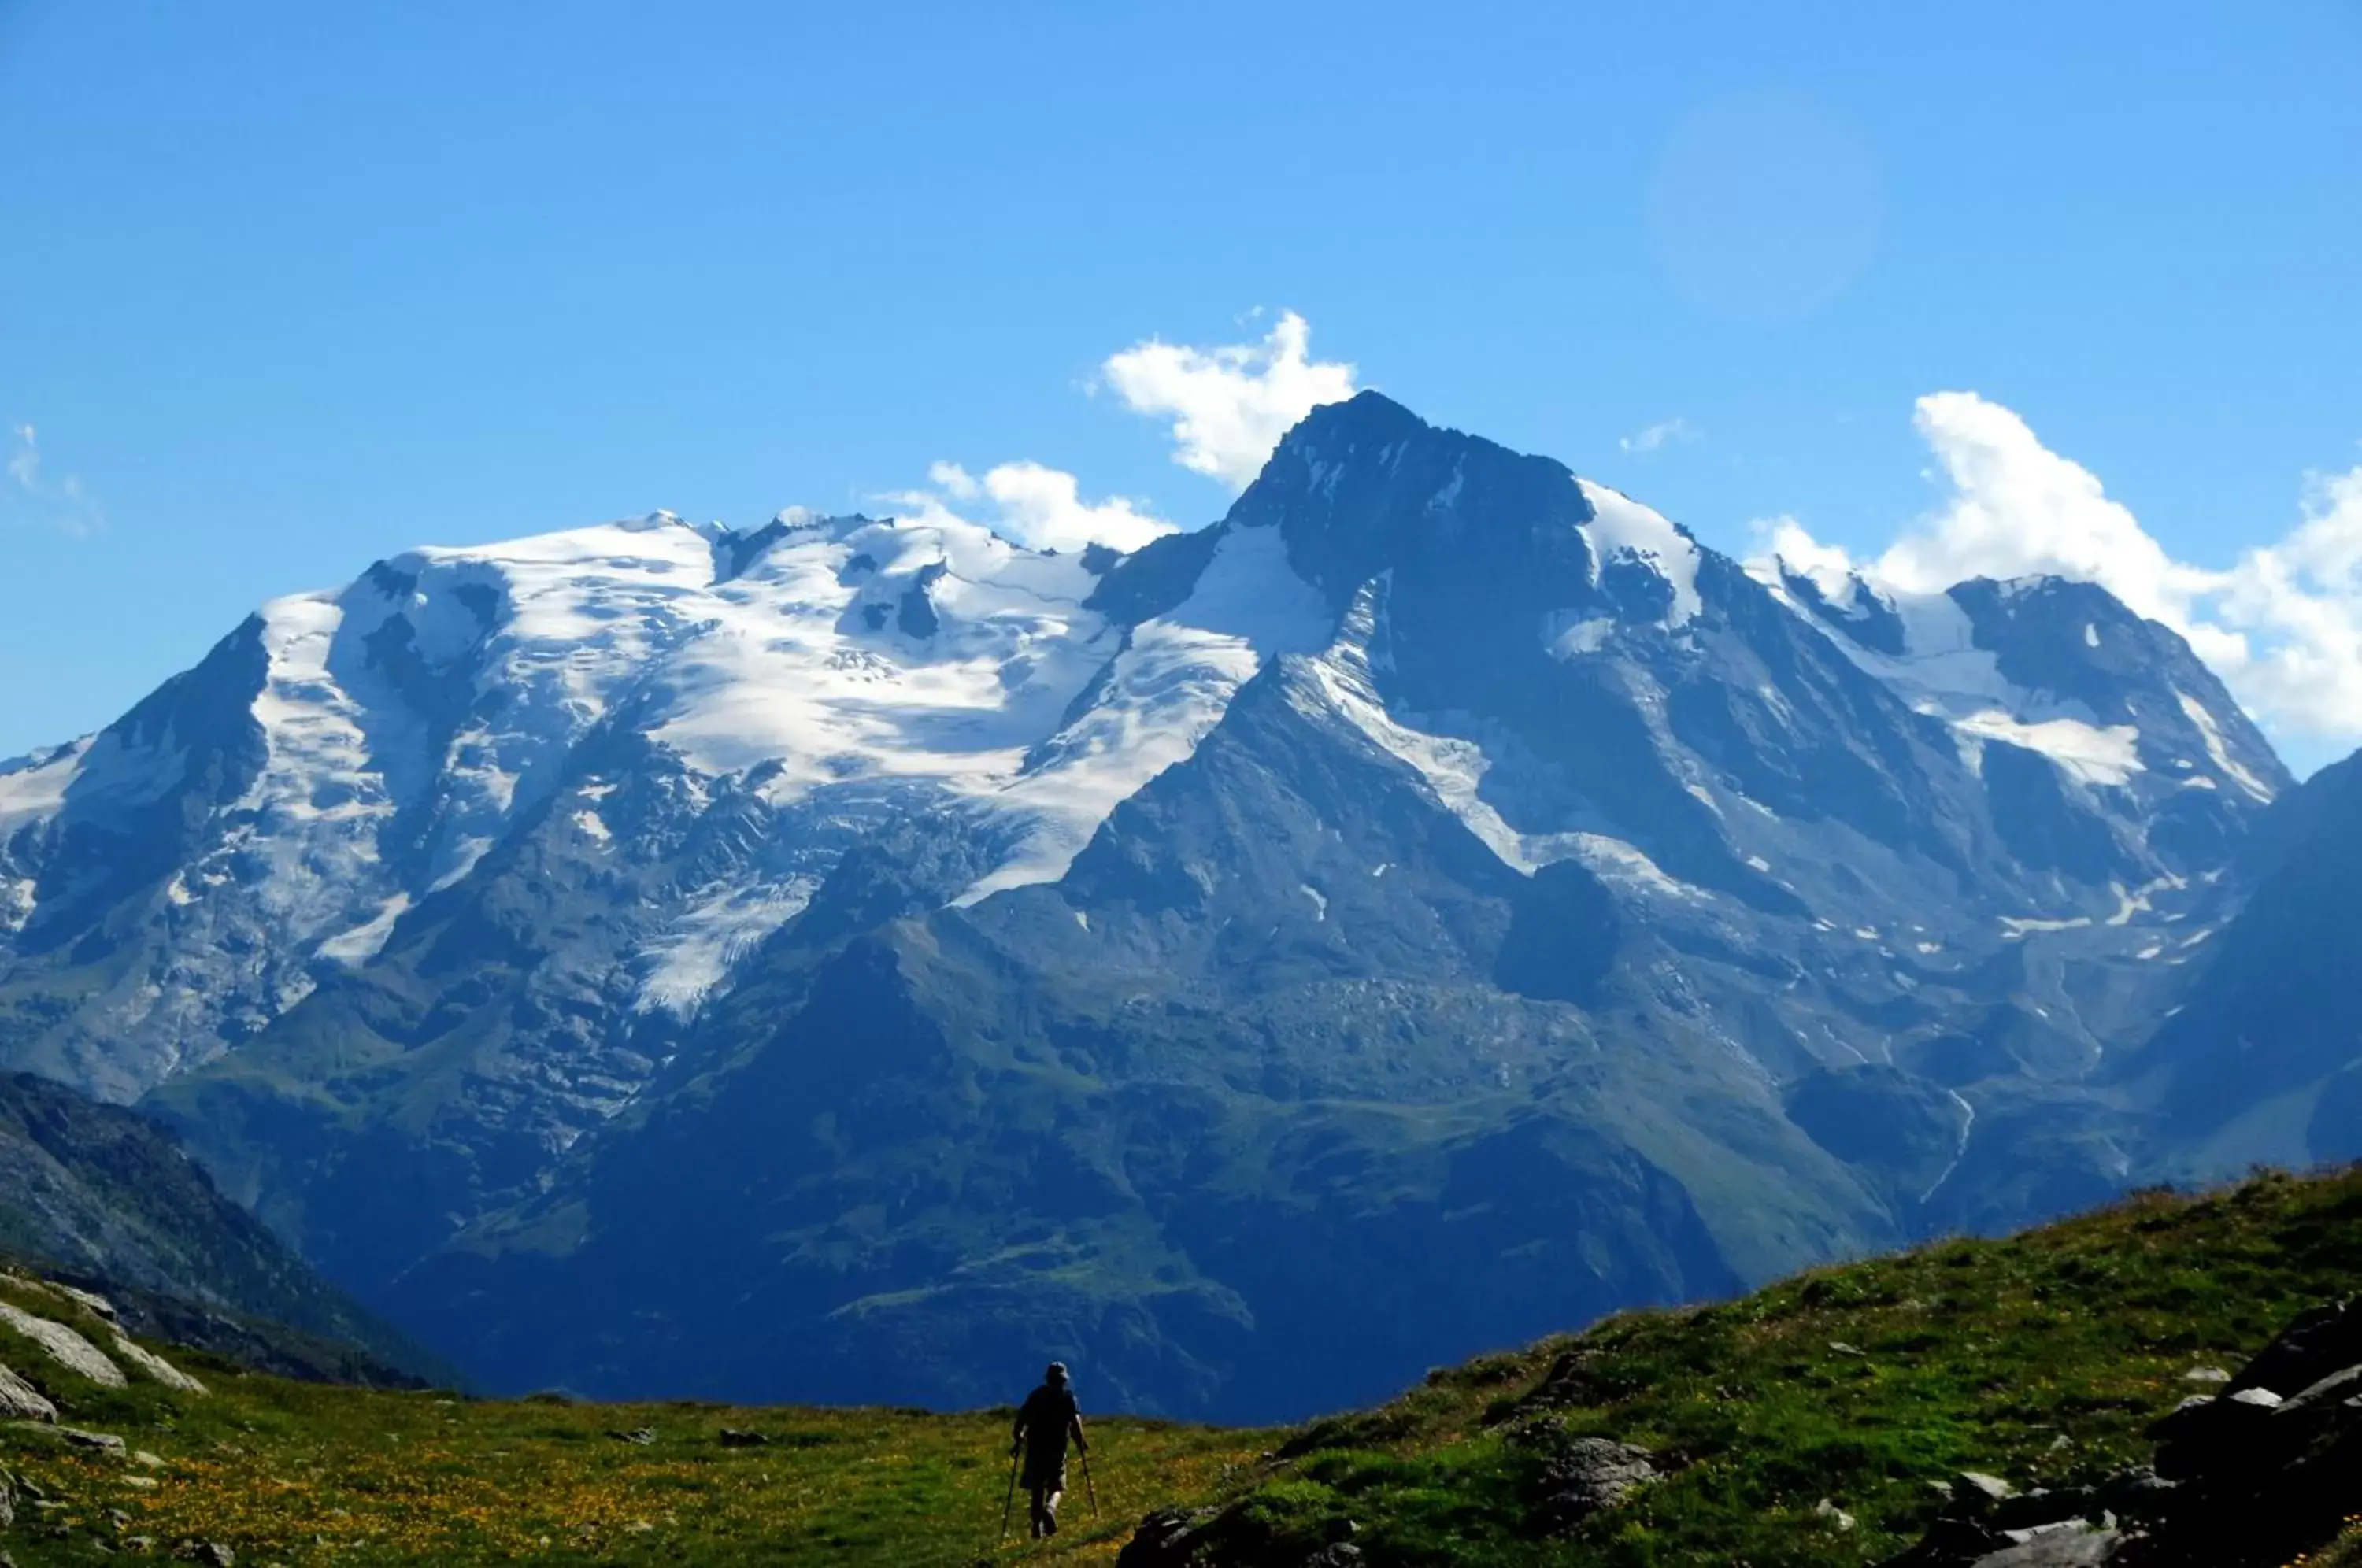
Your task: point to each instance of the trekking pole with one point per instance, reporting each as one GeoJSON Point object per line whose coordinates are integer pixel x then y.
{"type": "Point", "coordinates": [1007, 1503]}
{"type": "Point", "coordinates": [1088, 1487]}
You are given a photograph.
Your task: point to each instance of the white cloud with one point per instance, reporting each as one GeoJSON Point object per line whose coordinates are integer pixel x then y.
{"type": "Point", "coordinates": [1229, 405]}
{"type": "Point", "coordinates": [1043, 507]}
{"type": "Point", "coordinates": [2282, 624]}
{"type": "Point", "coordinates": [25, 461]}
{"type": "Point", "coordinates": [1665, 432]}
{"type": "Point", "coordinates": [30, 497]}
{"type": "Point", "coordinates": [954, 480]}
{"type": "Point", "coordinates": [1040, 508]}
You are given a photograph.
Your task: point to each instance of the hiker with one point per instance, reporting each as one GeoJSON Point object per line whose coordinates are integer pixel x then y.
{"type": "Point", "coordinates": [1048, 1417]}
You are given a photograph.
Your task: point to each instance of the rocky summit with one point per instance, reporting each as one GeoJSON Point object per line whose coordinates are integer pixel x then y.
{"type": "Point", "coordinates": [1437, 903]}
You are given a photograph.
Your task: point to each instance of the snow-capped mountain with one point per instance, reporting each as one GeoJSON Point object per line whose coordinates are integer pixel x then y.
{"type": "Point", "coordinates": [341, 758]}
{"type": "Point", "coordinates": [1440, 857]}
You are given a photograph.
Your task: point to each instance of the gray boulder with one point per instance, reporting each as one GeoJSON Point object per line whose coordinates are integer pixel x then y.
{"type": "Point", "coordinates": [64, 1346]}
{"type": "Point", "coordinates": [2312, 1347]}
{"type": "Point", "coordinates": [20, 1401]}
{"type": "Point", "coordinates": [1586, 1475]}
{"type": "Point", "coordinates": [2067, 1547]}
{"type": "Point", "coordinates": [1168, 1538]}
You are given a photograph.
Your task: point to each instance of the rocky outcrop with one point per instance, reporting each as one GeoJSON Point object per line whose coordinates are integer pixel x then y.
{"type": "Point", "coordinates": [64, 1346]}
{"type": "Point", "coordinates": [1582, 1476]}
{"type": "Point", "coordinates": [157, 1368]}
{"type": "Point", "coordinates": [2257, 1474]}
{"type": "Point", "coordinates": [20, 1401]}
{"type": "Point", "coordinates": [1168, 1538]}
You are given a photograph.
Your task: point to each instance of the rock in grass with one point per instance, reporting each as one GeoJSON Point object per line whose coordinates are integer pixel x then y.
{"type": "Point", "coordinates": [20, 1401]}
{"type": "Point", "coordinates": [1979, 1490]}
{"type": "Point", "coordinates": [642, 1436]}
{"type": "Point", "coordinates": [101, 1443]}
{"type": "Point", "coordinates": [2044, 1506]}
{"type": "Point", "coordinates": [1167, 1538]}
{"type": "Point", "coordinates": [1588, 1474]}
{"type": "Point", "coordinates": [2317, 1344]}
{"type": "Point", "coordinates": [65, 1347]}
{"type": "Point", "coordinates": [2067, 1547]}
{"type": "Point", "coordinates": [731, 1437]}
{"type": "Point", "coordinates": [157, 1368]}
{"type": "Point", "coordinates": [87, 1299]}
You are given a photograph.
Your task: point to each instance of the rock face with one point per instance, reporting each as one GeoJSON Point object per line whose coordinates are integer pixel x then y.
{"type": "Point", "coordinates": [20, 1401]}
{"type": "Point", "coordinates": [1167, 1538]}
{"type": "Point", "coordinates": [1437, 903]}
{"type": "Point", "coordinates": [1584, 1476]}
{"type": "Point", "coordinates": [2251, 1477]}
{"type": "Point", "coordinates": [64, 1346]}
{"type": "Point", "coordinates": [156, 1367]}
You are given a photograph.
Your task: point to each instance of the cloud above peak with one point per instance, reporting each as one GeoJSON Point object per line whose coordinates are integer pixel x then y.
{"type": "Point", "coordinates": [29, 496]}
{"type": "Point", "coordinates": [2281, 625]}
{"type": "Point", "coordinates": [1656, 437]}
{"type": "Point", "coordinates": [1030, 505]}
{"type": "Point", "coordinates": [1229, 405]}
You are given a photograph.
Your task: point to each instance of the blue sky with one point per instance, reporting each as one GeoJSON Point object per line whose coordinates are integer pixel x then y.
{"type": "Point", "coordinates": [288, 288]}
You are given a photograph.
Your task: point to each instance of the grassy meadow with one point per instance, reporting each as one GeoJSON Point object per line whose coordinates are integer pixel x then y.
{"type": "Point", "coordinates": [2039, 1358]}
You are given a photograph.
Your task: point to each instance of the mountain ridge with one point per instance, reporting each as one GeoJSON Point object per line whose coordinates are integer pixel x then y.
{"type": "Point", "coordinates": [1438, 834]}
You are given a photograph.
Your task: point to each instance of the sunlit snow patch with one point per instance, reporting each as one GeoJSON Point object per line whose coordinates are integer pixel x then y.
{"type": "Point", "coordinates": [689, 962]}
{"type": "Point", "coordinates": [1160, 696]}
{"type": "Point", "coordinates": [1454, 769]}
{"type": "Point", "coordinates": [2087, 752]}
{"type": "Point", "coordinates": [1622, 529]}
{"type": "Point", "coordinates": [2213, 735]}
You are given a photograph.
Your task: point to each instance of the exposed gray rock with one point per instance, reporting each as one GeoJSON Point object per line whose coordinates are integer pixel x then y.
{"type": "Point", "coordinates": [1584, 1476]}
{"type": "Point", "coordinates": [157, 1367]}
{"type": "Point", "coordinates": [1167, 1538]}
{"type": "Point", "coordinates": [1336, 1554]}
{"type": "Point", "coordinates": [2335, 1388]}
{"type": "Point", "coordinates": [1980, 1490]}
{"type": "Point", "coordinates": [79, 1298]}
{"type": "Point", "coordinates": [2139, 1493]}
{"type": "Point", "coordinates": [2316, 1344]}
{"type": "Point", "coordinates": [2064, 1548]}
{"type": "Point", "coordinates": [102, 1442]}
{"type": "Point", "coordinates": [64, 1346]}
{"type": "Point", "coordinates": [20, 1401]}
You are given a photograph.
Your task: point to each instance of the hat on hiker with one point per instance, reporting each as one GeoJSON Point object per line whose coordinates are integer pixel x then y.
{"type": "Point", "coordinates": [1057, 1373]}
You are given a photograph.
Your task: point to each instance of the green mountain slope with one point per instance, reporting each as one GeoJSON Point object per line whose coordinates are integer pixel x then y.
{"type": "Point", "coordinates": [2040, 1359]}
{"type": "Point", "coordinates": [103, 1197]}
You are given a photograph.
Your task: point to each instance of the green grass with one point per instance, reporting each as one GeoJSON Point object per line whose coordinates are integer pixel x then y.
{"type": "Point", "coordinates": [302, 1473]}
{"type": "Point", "coordinates": [2039, 1358]}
